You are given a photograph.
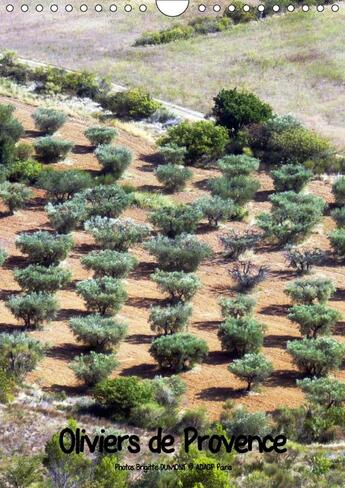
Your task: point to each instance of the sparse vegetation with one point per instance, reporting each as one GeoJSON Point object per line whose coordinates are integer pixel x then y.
{"type": "Point", "coordinates": [237, 243]}
{"type": "Point", "coordinates": [247, 275]}
{"type": "Point", "coordinates": [302, 260]}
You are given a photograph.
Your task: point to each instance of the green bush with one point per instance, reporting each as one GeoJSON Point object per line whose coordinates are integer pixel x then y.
{"type": "Point", "coordinates": [135, 103]}
{"type": "Point", "coordinates": [338, 189]}
{"type": "Point", "coordinates": [247, 275]}
{"type": "Point", "coordinates": [98, 332]}
{"type": "Point", "coordinates": [93, 367]}
{"type": "Point", "coordinates": [236, 243]}
{"type": "Point", "coordinates": [7, 387]}
{"type": "Point", "coordinates": [242, 422]}
{"type": "Point", "coordinates": [27, 171]}
{"type": "Point", "coordinates": [121, 395]}
{"type": "Point", "coordinates": [10, 132]}
{"type": "Point", "coordinates": [150, 415]}
{"type": "Point", "coordinates": [204, 141]}
{"type": "Point", "coordinates": [52, 150]}
{"type": "Point", "coordinates": [170, 319]}
{"type": "Point", "coordinates": [23, 151]}
{"type": "Point", "coordinates": [14, 195]}
{"type": "Point", "coordinates": [216, 209]}
{"type": "Point", "coordinates": [48, 120]}
{"type": "Point", "coordinates": [238, 307]}
{"type": "Point", "coordinates": [315, 319]}
{"type": "Point", "coordinates": [302, 260]}
{"type": "Point", "coordinates": [337, 239]}
{"type": "Point", "coordinates": [240, 189]}
{"type": "Point", "coordinates": [100, 135]}
{"type": "Point", "coordinates": [116, 234]}
{"type": "Point", "coordinates": [174, 33]}
{"type": "Point", "coordinates": [105, 200]}
{"type": "Point", "coordinates": [66, 217]}
{"type": "Point", "coordinates": [197, 418]}
{"type": "Point", "coordinates": [173, 176]}
{"type": "Point", "coordinates": [252, 368]}
{"type": "Point", "coordinates": [179, 351]}
{"type": "Point", "coordinates": [293, 216]}
{"type": "Point", "coordinates": [309, 291]}
{"type": "Point", "coordinates": [39, 278]}
{"type": "Point", "coordinates": [316, 357]}
{"type": "Point", "coordinates": [19, 354]}
{"type": "Point", "coordinates": [239, 16]}
{"type": "Point", "coordinates": [327, 392]}
{"type": "Point", "coordinates": [338, 215]}
{"type": "Point", "coordinates": [241, 336]}
{"type": "Point", "coordinates": [102, 295]}
{"type": "Point", "coordinates": [3, 256]}
{"type": "Point", "coordinates": [172, 154]}
{"type": "Point", "coordinates": [63, 185]}
{"type": "Point", "coordinates": [114, 160]}
{"type": "Point", "coordinates": [184, 253]}
{"type": "Point", "coordinates": [168, 390]}
{"type": "Point", "coordinates": [179, 285]}
{"type": "Point", "coordinates": [33, 309]}
{"type": "Point", "coordinates": [234, 109]}
{"type": "Point", "coordinates": [109, 263]}
{"type": "Point", "coordinates": [291, 177]}
{"type": "Point", "coordinates": [210, 25]}
{"type": "Point", "coordinates": [238, 165]}
{"type": "Point", "coordinates": [173, 221]}
{"type": "Point", "coordinates": [44, 248]}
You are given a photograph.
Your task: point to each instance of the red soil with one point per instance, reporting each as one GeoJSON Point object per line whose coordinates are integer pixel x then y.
{"type": "Point", "coordinates": [209, 384]}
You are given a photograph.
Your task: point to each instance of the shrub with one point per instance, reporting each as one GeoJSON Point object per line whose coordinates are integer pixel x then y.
{"type": "Point", "coordinates": [19, 354]}
{"type": "Point", "coordinates": [293, 216]}
{"type": "Point", "coordinates": [176, 220]}
{"type": "Point", "coordinates": [164, 36]}
{"type": "Point", "coordinates": [309, 291]}
{"type": "Point", "coordinates": [208, 25]}
{"type": "Point", "coordinates": [316, 357]}
{"type": "Point", "coordinates": [121, 395]}
{"type": "Point", "coordinates": [238, 165]}
{"type": "Point", "coordinates": [172, 154]}
{"type": "Point", "coordinates": [149, 415]}
{"type": "Point", "coordinates": [315, 319]}
{"type": "Point", "coordinates": [327, 392]}
{"type": "Point", "coordinates": [48, 120]}
{"type": "Point", "coordinates": [105, 201]}
{"type": "Point", "coordinates": [103, 295]}
{"type": "Point", "coordinates": [179, 285]}
{"type": "Point", "coordinates": [236, 244]}
{"type": "Point", "coordinates": [339, 216]}
{"type": "Point", "coordinates": [337, 239]}
{"type": "Point", "coordinates": [302, 260]}
{"type": "Point", "coordinates": [252, 368]}
{"type": "Point", "coordinates": [169, 390]}
{"type": "Point", "coordinates": [291, 177]}
{"type": "Point", "coordinates": [235, 109]}
{"type": "Point", "coordinates": [238, 307]}
{"type": "Point", "coordinates": [178, 351]}
{"type": "Point", "coordinates": [39, 278]}
{"type": "Point", "coordinates": [242, 422]}
{"type": "Point", "coordinates": [93, 367]}
{"type": "Point", "coordinates": [23, 151]}
{"type": "Point", "coordinates": [134, 103]}
{"type": "Point", "coordinates": [338, 189]}
{"type": "Point", "coordinates": [97, 332]}
{"type": "Point", "coordinates": [109, 263]}
{"type": "Point", "coordinates": [184, 253]}
{"type": "Point", "coordinates": [10, 131]}
{"type": "Point", "coordinates": [240, 16]}
{"type": "Point", "coordinates": [66, 217]}
{"type": "Point", "coordinates": [216, 209]}
{"type": "Point", "coordinates": [63, 185]}
{"type": "Point", "coordinates": [100, 135]}
{"type": "Point", "coordinates": [3, 256]}
{"type": "Point", "coordinates": [44, 248]}
{"type": "Point", "coordinates": [241, 189]}
{"type": "Point", "coordinates": [204, 141]}
{"type": "Point", "coordinates": [241, 336]}
{"type": "Point", "coordinates": [7, 387]}
{"type": "Point", "coordinates": [170, 319]}
{"type": "Point", "coordinates": [14, 195]}
{"type": "Point", "coordinates": [197, 418]}
{"type": "Point", "coordinates": [51, 150]}
{"type": "Point", "coordinates": [247, 275]}
{"type": "Point", "coordinates": [116, 234]}
{"type": "Point", "coordinates": [26, 172]}
{"type": "Point", "coordinates": [33, 309]}
{"type": "Point", "coordinates": [173, 176]}
{"type": "Point", "coordinates": [114, 160]}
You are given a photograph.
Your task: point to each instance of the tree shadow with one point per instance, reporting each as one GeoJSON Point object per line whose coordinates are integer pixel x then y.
{"type": "Point", "coordinates": [66, 351]}
{"type": "Point", "coordinates": [218, 357]}
{"type": "Point", "coordinates": [209, 325]}
{"type": "Point", "coordinates": [82, 149]}
{"type": "Point", "coordinates": [143, 370]}
{"type": "Point", "coordinates": [139, 302]}
{"type": "Point", "coordinates": [219, 393]}
{"type": "Point", "coordinates": [283, 378]}
{"type": "Point", "coordinates": [276, 310]}
{"type": "Point", "coordinates": [202, 184]}
{"type": "Point", "coordinates": [5, 294]}
{"type": "Point", "coordinates": [339, 295]}
{"type": "Point", "coordinates": [30, 134]}
{"type": "Point", "coordinates": [278, 341]}
{"type": "Point", "coordinates": [15, 262]}
{"type": "Point", "coordinates": [143, 270]}
{"type": "Point", "coordinates": [339, 328]}
{"type": "Point", "coordinates": [71, 391]}
{"type": "Point", "coordinates": [263, 195]}
{"type": "Point", "coordinates": [83, 249]}
{"type": "Point", "coordinates": [65, 314]}
{"type": "Point", "coordinates": [6, 328]}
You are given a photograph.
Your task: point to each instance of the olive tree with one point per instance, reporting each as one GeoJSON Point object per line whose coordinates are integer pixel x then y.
{"type": "Point", "coordinates": [180, 286]}
{"type": "Point", "coordinates": [238, 164]}
{"type": "Point", "coordinates": [302, 260]}
{"type": "Point", "coordinates": [66, 217]}
{"type": "Point", "coordinates": [216, 209]}
{"type": "Point", "coordinates": [252, 368]}
{"type": "Point", "coordinates": [114, 160]}
{"type": "Point", "coordinates": [337, 240]}
{"type": "Point", "coordinates": [3, 256]}
{"type": "Point", "coordinates": [40, 278]}
{"type": "Point", "coordinates": [308, 291]}
{"type": "Point", "coordinates": [93, 367]}
{"type": "Point", "coordinates": [291, 177]}
{"type": "Point", "coordinates": [315, 319]}
{"type": "Point", "coordinates": [241, 336]}
{"type": "Point", "coordinates": [33, 309]}
{"type": "Point", "coordinates": [44, 248]}
{"type": "Point", "coordinates": [327, 392]}
{"type": "Point", "coordinates": [247, 275]}
{"type": "Point", "coordinates": [48, 120]}
{"type": "Point", "coordinates": [52, 150]}
{"type": "Point", "coordinates": [170, 319]}
{"type": "Point", "coordinates": [19, 354]}
{"type": "Point", "coordinates": [14, 195]}
{"type": "Point", "coordinates": [109, 263]}
{"type": "Point", "coordinates": [236, 243]}
{"type": "Point", "coordinates": [172, 221]}
{"type": "Point", "coordinates": [100, 135]}
{"type": "Point", "coordinates": [173, 177]}
{"type": "Point", "coordinates": [102, 295]}
{"type": "Point", "coordinates": [237, 307]}
{"type": "Point", "coordinates": [63, 185]}
{"type": "Point", "coordinates": [339, 190]}
{"type": "Point", "coordinates": [105, 201]}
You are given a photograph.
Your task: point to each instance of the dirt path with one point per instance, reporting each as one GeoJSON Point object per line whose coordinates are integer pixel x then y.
{"type": "Point", "coordinates": [210, 384]}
